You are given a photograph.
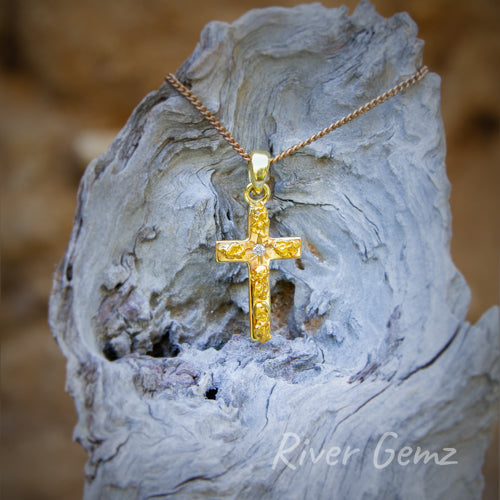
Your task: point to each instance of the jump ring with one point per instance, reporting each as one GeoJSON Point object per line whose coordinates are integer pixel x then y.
{"type": "Point", "coordinates": [262, 199]}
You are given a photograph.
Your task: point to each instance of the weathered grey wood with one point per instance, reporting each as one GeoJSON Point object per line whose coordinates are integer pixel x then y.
{"type": "Point", "coordinates": [369, 334]}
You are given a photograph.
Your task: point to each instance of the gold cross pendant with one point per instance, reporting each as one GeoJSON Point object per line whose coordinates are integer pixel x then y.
{"type": "Point", "coordinates": [258, 249]}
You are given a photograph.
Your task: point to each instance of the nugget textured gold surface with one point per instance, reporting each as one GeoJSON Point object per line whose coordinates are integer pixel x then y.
{"type": "Point", "coordinates": [257, 250]}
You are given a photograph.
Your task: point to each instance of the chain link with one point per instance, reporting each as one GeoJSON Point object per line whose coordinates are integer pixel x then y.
{"type": "Point", "coordinates": [397, 89]}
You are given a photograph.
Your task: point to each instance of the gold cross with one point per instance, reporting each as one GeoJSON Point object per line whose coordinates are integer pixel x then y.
{"type": "Point", "coordinates": [257, 250]}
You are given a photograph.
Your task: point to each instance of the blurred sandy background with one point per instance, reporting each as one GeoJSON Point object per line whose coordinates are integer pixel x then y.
{"type": "Point", "coordinates": [71, 73]}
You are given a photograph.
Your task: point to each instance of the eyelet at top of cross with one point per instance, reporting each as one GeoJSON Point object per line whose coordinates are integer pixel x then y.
{"type": "Point", "coordinates": [250, 192]}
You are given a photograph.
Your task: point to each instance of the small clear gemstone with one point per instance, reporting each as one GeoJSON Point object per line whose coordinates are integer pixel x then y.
{"type": "Point", "coordinates": [259, 250]}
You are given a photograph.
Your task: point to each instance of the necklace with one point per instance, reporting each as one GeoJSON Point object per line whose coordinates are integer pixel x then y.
{"type": "Point", "coordinates": [258, 249]}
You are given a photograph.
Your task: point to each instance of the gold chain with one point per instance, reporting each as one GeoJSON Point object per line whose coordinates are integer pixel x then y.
{"type": "Point", "coordinates": [400, 87]}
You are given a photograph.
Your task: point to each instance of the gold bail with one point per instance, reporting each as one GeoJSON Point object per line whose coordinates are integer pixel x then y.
{"type": "Point", "coordinates": [258, 169]}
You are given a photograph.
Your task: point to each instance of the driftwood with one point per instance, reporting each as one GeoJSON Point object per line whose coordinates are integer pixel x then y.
{"type": "Point", "coordinates": [372, 366]}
